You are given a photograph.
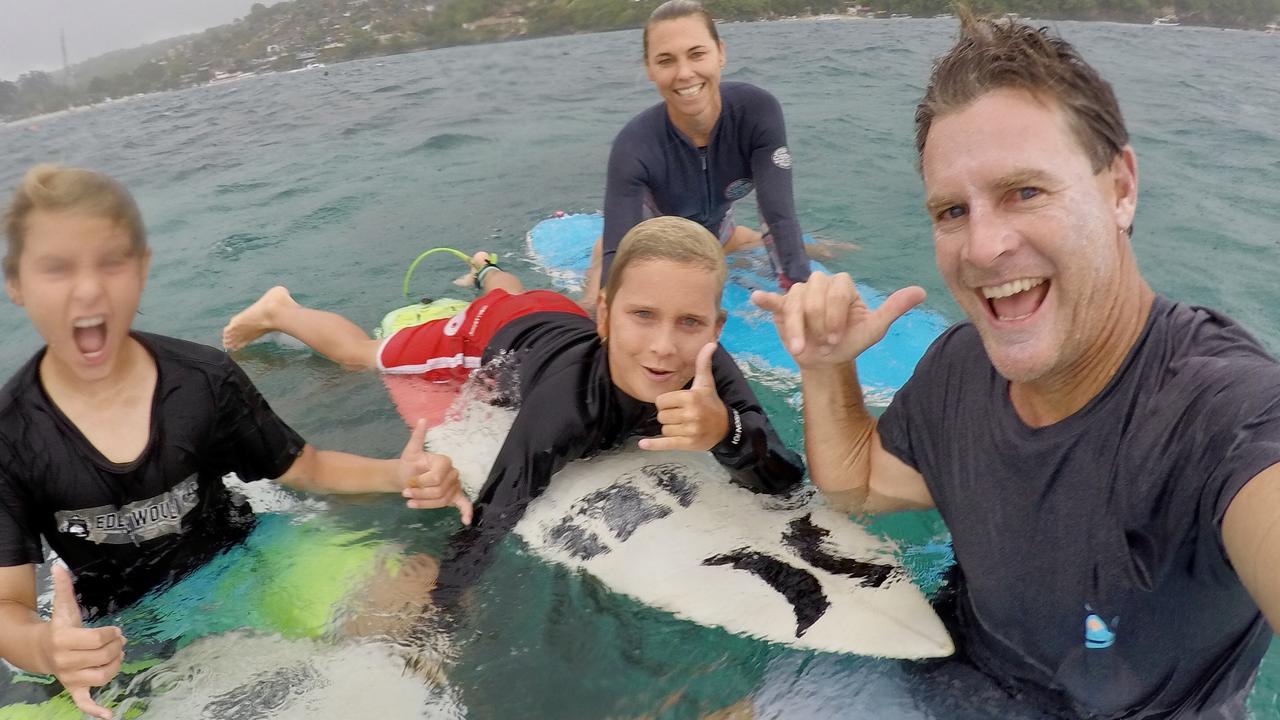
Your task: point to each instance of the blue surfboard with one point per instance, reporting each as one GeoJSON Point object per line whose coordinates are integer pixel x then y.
{"type": "Point", "coordinates": [561, 247]}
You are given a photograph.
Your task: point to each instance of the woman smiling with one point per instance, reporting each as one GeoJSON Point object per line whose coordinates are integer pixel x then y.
{"type": "Point", "coordinates": [706, 145]}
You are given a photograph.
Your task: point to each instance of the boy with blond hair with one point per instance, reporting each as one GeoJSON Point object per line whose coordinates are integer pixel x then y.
{"type": "Point", "coordinates": [114, 442]}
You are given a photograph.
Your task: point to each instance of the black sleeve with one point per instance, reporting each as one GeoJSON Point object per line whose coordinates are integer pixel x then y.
{"type": "Point", "coordinates": [623, 197]}
{"type": "Point", "coordinates": [19, 541]}
{"type": "Point", "coordinates": [771, 169]}
{"type": "Point", "coordinates": [752, 452]}
{"type": "Point", "coordinates": [249, 438]}
{"type": "Point", "coordinates": [914, 420]}
{"type": "Point", "coordinates": [551, 430]}
{"type": "Point", "coordinates": [1245, 442]}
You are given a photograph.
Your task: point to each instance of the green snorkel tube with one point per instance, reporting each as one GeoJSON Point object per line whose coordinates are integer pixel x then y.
{"type": "Point", "coordinates": [426, 309]}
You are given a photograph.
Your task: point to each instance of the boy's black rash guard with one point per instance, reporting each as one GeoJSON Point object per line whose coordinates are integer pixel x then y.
{"type": "Point", "coordinates": [570, 409]}
{"type": "Point", "coordinates": [748, 149]}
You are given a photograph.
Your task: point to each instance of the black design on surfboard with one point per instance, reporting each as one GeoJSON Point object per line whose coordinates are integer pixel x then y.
{"type": "Point", "coordinates": [576, 540]}
{"type": "Point", "coordinates": [798, 586]}
{"type": "Point", "coordinates": [668, 477]}
{"type": "Point", "coordinates": [264, 695]}
{"type": "Point", "coordinates": [623, 507]}
{"type": "Point", "coordinates": [806, 538]}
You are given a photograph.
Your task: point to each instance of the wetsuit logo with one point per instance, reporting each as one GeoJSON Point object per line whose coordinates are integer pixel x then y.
{"type": "Point", "coordinates": [739, 189]}
{"type": "Point", "coordinates": [782, 158]}
{"type": "Point", "coordinates": [1097, 633]}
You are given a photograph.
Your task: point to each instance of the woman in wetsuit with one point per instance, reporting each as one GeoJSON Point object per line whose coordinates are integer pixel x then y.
{"type": "Point", "coordinates": [706, 145]}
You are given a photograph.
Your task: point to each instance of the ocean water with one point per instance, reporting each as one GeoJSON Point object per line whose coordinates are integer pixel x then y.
{"type": "Point", "coordinates": [331, 181]}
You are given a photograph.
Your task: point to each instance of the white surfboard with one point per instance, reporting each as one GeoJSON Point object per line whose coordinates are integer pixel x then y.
{"type": "Point", "coordinates": [672, 531]}
{"type": "Point", "coordinates": [251, 676]}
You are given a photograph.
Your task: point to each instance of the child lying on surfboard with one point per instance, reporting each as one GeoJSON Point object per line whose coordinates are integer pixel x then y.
{"type": "Point", "coordinates": [649, 365]}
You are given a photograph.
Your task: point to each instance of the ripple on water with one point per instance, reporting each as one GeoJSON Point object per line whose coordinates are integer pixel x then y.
{"type": "Point", "coordinates": [234, 246]}
{"type": "Point", "coordinates": [240, 187]}
{"type": "Point", "coordinates": [448, 141]}
{"type": "Point", "coordinates": [332, 213]}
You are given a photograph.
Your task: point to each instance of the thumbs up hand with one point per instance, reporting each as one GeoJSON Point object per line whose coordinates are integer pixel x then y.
{"type": "Point", "coordinates": [430, 480]}
{"type": "Point", "coordinates": [81, 658]}
{"type": "Point", "coordinates": [693, 419]}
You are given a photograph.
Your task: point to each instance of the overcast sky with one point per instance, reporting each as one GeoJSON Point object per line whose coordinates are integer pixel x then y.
{"type": "Point", "coordinates": [29, 28]}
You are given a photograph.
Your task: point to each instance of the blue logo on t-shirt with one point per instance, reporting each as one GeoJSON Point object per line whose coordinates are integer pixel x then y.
{"type": "Point", "coordinates": [1097, 634]}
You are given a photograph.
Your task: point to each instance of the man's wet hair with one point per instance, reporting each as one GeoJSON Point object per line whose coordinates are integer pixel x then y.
{"type": "Point", "coordinates": [1003, 54]}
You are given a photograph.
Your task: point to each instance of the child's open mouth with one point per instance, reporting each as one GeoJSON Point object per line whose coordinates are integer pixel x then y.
{"type": "Point", "coordinates": [90, 334]}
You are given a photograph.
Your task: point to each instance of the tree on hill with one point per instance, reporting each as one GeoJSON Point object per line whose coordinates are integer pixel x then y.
{"type": "Point", "coordinates": [10, 100]}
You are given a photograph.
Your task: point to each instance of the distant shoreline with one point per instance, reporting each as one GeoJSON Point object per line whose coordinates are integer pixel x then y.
{"type": "Point", "coordinates": [39, 117]}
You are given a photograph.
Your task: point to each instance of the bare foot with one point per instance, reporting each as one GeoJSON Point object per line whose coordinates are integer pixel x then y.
{"type": "Point", "coordinates": [256, 320]}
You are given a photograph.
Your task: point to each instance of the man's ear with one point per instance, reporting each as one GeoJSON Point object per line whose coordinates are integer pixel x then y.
{"type": "Point", "coordinates": [14, 291]}
{"type": "Point", "coordinates": [1124, 174]}
{"type": "Point", "coordinates": [721, 316]}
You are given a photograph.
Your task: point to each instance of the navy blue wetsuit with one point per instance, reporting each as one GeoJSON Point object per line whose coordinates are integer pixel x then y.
{"type": "Point", "coordinates": [652, 161]}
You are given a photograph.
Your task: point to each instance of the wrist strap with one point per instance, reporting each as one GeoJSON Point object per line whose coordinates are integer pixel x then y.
{"type": "Point", "coordinates": [488, 265]}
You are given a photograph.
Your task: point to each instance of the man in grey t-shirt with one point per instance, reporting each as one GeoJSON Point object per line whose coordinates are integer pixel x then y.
{"type": "Point", "coordinates": [1107, 460]}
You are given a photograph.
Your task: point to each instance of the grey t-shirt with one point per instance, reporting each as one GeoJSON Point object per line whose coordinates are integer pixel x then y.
{"type": "Point", "coordinates": [1091, 550]}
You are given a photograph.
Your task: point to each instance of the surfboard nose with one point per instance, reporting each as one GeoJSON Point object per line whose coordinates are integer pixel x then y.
{"type": "Point", "coordinates": [925, 637]}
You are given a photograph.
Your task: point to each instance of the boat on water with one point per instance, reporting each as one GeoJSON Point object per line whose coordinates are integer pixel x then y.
{"type": "Point", "coordinates": [899, 16]}
{"type": "Point", "coordinates": [222, 77]}
{"type": "Point", "coordinates": [1167, 21]}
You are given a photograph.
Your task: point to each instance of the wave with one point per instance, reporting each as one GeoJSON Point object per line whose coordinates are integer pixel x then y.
{"type": "Point", "coordinates": [290, 193]}
{"type": "Point", "coordinates": [448, 141]}
{"type": "Point", "coordinates": [190, 171]}
{"type": "Point", "coordinates": [239, 187]}
{"type": "Point", "coordinates": [233, 246]}
{"type": "Point", "coordinates": [327, 215]}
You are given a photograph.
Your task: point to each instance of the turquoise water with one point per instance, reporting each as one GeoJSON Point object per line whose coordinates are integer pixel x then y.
{"type": "Point", "coordinates": [331, 183]}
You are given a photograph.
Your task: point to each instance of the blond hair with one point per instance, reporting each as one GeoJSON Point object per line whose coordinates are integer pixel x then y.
{"type": "Point", "coordinates": [999, 55]}
{"type": "Point", "coordinates": [668, 238]}
{"type": "Point", "coordinates": [50, 188]}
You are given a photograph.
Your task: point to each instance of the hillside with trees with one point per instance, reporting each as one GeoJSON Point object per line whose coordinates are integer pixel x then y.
{"type": "Point", "coordinates": [297, 33]}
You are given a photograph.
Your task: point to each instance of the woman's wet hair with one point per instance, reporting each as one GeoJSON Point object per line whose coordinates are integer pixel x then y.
{"type": "Point", "coordinates": [54, 189]}
{"type": "Point", "coordinates": [674, 10]}
{"type": "Point", "coordinates": [669, 238]}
